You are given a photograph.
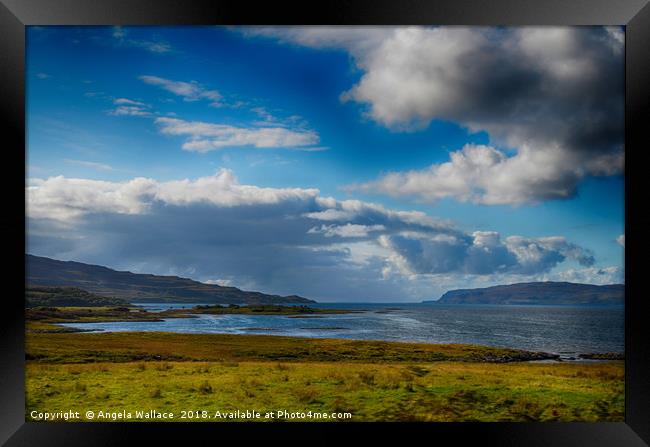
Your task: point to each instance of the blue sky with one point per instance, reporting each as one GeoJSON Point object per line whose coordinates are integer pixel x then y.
{"type": "Point", "coordinates": [410, 160]}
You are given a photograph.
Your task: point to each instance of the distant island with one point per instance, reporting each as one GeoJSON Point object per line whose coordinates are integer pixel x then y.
{"type": "Point", "coordinates": [558, 293]}
{"type": "Point", "coordinates": [136, 287]}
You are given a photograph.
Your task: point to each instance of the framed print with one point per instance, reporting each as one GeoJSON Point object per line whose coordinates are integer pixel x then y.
{"type": "Point", "coordinates": [392, 218]}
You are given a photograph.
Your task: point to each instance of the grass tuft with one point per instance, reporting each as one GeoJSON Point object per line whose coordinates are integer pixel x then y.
{"type": "Point", "coordinates": [205, 388]}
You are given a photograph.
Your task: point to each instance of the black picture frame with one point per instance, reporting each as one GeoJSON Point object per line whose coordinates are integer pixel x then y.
{"type": "Point", "coordinates": [633, 14]}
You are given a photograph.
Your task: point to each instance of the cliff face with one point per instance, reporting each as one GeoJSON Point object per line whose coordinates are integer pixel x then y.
{"type": "Point", "coordinates": [563, 293]}
{"type": "Point", "coordinates": [137, 287]}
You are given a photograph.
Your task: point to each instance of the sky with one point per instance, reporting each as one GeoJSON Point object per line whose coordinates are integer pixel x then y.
{"type": "Point", "coordinates": [385, 164]}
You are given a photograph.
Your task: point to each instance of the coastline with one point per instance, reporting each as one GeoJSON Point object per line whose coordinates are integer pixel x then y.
{"type": "Point", "coordinates": [171, 375]}
{"type": "Point", "coordinates": [371, 380]}
{"type": "Point", "coordinates": [48, 320]}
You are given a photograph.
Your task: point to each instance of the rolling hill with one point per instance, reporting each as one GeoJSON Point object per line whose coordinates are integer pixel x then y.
{"type": "Point", "coordinates": [37, 296]}
{"type": "Point", "coordinates": [136, 287]}
{"type": "Point", "coordinates": [559, 293]}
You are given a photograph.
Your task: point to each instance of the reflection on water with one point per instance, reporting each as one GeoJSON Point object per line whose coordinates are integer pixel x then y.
{"type": "Point", "coordinates": [563, 330]}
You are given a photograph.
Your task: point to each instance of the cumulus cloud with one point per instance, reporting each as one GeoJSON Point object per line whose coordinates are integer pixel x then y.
{"type": "Point", "coordinates": [484, 175]}
{"type": "Point", "coordinates": [542, 254]}
{"type": "Point", "coordinates": [364, 213]}
{"type": "Point", "coordinates": [277, 240]}
{"type": "Point", "coordinates": [189, 91]}
{"type": "Point", "coordinates": [480, 253]}
{"type": "Point", "coordinates": [205, 137]}
{"type": "Point", "coordinates": [65, 199]}
{"type": "Point", "coordinates": [552, 95]}
{"type": "Point", "coordinates": [621, 240]}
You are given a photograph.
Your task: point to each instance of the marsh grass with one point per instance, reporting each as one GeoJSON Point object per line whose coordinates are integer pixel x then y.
{"type": "Point", "coordinates": [165, 366]}
{"type": "Point", "coordinates": [452, 391]}
{"type": "Point", "coordinates": [367, 377]}
{"type": "Point", "coordinates": [376, 381]}
{"type": "Point", "coordinates": [232, 349]}
{"type": "Point", "coordinates": [306, 395]}
{"type": "Point", "coordinates": [205, 388]}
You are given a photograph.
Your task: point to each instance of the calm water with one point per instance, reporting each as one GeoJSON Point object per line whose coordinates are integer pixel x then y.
{"type": "Point", "coordinates": [563, 330]}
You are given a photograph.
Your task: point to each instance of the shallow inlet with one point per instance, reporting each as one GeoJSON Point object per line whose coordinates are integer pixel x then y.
{"type": "Point", "coordinates": [563, 330]}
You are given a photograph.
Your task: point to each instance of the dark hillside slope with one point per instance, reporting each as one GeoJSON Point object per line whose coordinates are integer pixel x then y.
{"type": "Point", "coordinates": [560, 293]}
{"type": "Point", "coordinates": [132, 287]}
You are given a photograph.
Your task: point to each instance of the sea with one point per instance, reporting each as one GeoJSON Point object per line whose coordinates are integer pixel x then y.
{"type": "Point", "coordinates": [567, 331]}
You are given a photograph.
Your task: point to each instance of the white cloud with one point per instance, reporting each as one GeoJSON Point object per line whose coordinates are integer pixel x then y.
{"type": "Point", "coordinates": [90, 164]}
{"type": "Point", "coordinates": [553, 94]}
{"type": "Point", "coordinates": [272, 132]}
{"type": "Point", "coordinates": [481, 253]}
{"type": "Point", "coordinates": [279, 240]}
{"type": "Point", "coordinates": [621, 240]}
{"type": "Point", "coordinates": [119, 32]}
{"type": "Point", "coordinates": [545, 253]}
{"type": "Point", "coordinates": [347, 230]}
{"type": "Point", "coordinates": [223, 189]}
{"type": "Point", "coordinates": [65, 199]}
{"type": "Point", "coordinates": [355, 39]}
{"type": "Point", "coordinates": [128, 102]}
{"type": "Point", "coordinates": [358, 212]}
{"type": "Point", "coordinates": [267, 117]}
{"type": "Point", "coordinates": [189, 91]}
{"type": "Point", "coordinates": [591, 275]}
{"type": "Point", "coordinates": [205, 137]}
{"type": "Point", "coordinates": [130, 111]}
{"type": "Point", "coordinates": [617, 35]}
{"type": "Point", "coordinates": [153, 46]}
{"type": "Point", "coordinates": [485, 175]}
{"type": "Point", "coordinates": [130, 107]}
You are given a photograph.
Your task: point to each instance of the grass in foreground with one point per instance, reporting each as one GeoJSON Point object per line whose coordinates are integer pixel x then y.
{"type": "Point", "coordinates": [441, 391]}
{"type": "Point", "coordinates": [374, 381]}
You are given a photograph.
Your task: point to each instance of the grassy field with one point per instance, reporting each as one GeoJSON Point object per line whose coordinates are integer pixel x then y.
{"type": "Point", "coordinates": [373, 381]}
